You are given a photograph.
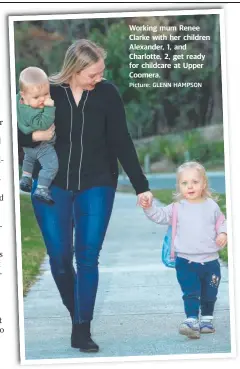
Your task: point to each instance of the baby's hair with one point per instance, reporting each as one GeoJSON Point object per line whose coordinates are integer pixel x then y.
{"type": "Point", "coordinates": [32, 76]}
{"type": "Point", "coordinates": [200, 168]}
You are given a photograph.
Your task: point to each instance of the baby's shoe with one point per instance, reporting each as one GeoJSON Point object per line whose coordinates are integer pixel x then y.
{"type": "Point", "coordinates": [206, 324]}
{"type": "Point", "coordinates": [26, 184]}
{"type": "Point", "coordinates": [190, 328]}
{"type": "Point", "coordinates": [43, 194]}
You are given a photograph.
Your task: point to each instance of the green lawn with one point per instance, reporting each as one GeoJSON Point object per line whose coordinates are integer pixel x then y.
{"type": "Point", "coordinates": [33, 249]}
{"type": "Point", "coordinates": [165, 196]}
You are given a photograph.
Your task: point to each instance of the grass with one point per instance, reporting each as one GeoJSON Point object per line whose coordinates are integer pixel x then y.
{"type": "Point", "coordinates": [165, 196]}
{"type": "Point", "coordinates": [33, 248]}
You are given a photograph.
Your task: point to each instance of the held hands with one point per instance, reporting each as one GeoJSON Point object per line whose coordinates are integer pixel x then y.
{"type": "Point", "coordinates": [44, 135]}
{"type": "Point", "coordinates": [221, 239]}
{"type": "Point", "coordinates": [145, 199]}
{"type": "Point", "coordinates": [49, 102]}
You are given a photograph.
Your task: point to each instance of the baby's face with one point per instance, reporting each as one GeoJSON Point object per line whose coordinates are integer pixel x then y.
{"type": "Point", "coordinates": [35, 96]}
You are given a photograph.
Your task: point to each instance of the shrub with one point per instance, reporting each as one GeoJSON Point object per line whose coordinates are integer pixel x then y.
{"type": "Point", "coordinates": [188, 146]}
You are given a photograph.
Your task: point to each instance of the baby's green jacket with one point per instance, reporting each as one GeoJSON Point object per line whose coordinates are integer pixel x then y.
{"type": "Point", "coordinates": [31, 119]}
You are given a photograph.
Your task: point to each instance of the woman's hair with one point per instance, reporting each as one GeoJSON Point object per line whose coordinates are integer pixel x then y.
{"type": "Point", "coordinates": [200, 168]}
{"type": "Point", "coordinates": [80, 55]}
{"type": "Point", "coordinates": [32, 76]}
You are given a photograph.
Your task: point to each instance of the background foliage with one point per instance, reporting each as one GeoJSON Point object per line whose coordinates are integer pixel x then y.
{"type": "Point", "coordinates": [150, 111]}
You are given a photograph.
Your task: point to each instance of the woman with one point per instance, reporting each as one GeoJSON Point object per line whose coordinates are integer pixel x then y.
{"type": "Point", "coordinates": [91, 135]}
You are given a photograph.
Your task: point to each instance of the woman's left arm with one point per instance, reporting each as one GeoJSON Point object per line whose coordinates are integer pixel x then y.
{"type": "Point", "coordinates": [122, 144]}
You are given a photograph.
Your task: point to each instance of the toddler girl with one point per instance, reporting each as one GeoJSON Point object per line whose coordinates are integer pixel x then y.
{"type": "Point", "coordinates": [196, 246]}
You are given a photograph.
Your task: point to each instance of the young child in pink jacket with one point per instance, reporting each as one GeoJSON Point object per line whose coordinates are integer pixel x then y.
{"type": "Point", "coordinates": [196, 246]}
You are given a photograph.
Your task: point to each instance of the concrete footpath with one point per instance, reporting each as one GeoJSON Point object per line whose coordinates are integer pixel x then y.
{"type": "Point", "coordinates": [139, 304]}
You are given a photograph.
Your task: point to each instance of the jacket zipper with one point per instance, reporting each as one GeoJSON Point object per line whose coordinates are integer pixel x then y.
{"type": "Point", "coordinates": [83, 121]}
{"type": "Point", "coordinates": [70, 138]}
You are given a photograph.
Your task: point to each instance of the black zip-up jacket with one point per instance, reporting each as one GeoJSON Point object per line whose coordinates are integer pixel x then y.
{"type": "Point", "coordinates": [90, 139]}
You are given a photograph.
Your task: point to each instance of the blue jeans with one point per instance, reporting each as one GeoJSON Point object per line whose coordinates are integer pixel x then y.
{"type": "Point", "coordinates": [89, 213]}
{"type": "Point", "coordinates": [199, 284]}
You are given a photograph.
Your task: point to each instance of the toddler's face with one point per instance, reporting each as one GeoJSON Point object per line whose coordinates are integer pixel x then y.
{"type": "Point", "coordinates": [35, 96]}
{"type": "Point", "coordinates": [191, 185]}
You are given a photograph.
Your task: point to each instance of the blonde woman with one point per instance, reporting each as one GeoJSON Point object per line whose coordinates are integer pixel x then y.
{"type": "Point", "coordinates": [91, 135]}
{"type": "Point", "coordinates": [196, 245]}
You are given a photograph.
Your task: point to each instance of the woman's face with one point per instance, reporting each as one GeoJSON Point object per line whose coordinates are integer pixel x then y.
{"type": "Point", "coordinates": [90, 76]}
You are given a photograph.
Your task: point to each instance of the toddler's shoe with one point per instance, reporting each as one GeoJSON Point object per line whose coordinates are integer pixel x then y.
{"type": "Point", "coordinates": [190, 328]}
{"type": "Point", "coordinates": [26, 184]}
{"type": "Point", "coordinates": [43, 194]}
{"type": "Point", "coordinates": [206, 325]}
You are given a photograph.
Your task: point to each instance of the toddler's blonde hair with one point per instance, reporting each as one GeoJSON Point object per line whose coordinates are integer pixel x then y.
{"type": "Point", "coordinates": [32, 76]}
{"type": "Point", "coordinates": [207, 193]}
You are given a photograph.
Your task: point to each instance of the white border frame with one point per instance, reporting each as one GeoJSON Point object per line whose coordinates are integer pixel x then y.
{"type": "Point", "coordinates": [120, 14]}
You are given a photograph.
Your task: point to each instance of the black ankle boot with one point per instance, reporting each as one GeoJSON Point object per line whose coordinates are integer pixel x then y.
{"type": "Point", "coordinates": [81, 338]}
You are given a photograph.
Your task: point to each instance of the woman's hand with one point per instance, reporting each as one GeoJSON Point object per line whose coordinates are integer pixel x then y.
{"type": "Point", "coordinates": [145, 199]}
{"type": "Point", "coordinates": [44, 135]}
